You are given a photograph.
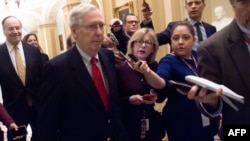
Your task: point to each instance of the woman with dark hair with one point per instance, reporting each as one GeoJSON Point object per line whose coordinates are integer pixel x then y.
{"type": "Point", "coordinates": [32, 39]}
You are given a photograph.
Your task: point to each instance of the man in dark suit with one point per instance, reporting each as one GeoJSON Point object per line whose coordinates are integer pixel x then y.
{"type": "Point", "coordinates": [71, 106]}
{"type": "Point", "coordinates": [194, 10]}
{"type": "Point", "coordinates": [20, 87]}
{"type": "Point", "coordinates": [130, 25]}
{"type": "Point", "coordinates": [224, 59]}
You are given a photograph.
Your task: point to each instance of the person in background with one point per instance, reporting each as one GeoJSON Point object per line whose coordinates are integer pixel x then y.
{"type": "Point", "coordinates": [70, 42]}
{"type": "Point", "coordinates": [79, 95]}
{"type": "Point", "coordinates": [130, 24]}
{"type": "Point", "coordinates": [227, 53]}
{"type": "Point", "coordinates": [32, 39]}
{"type": "Point", "coordinates": [7, 121]}
{"type": "Point", "coordinates": [20, 75]}
{"type": "Point", "coordinates": [194, 10]}
{"type": "Point", "coordinates": [132, 86]}
{"type": "Point", "coordinates": [123, 30]}
{"type": "Point", "coordinates": [183, 119]}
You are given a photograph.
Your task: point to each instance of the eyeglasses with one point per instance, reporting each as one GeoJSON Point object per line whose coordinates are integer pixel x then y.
{"type": "Point", "coordinates": [241, 3]}
{"type": "Point", "coordinates": [141, 42]}
{"type": "Point", "coordinates": [131, 22]}
{"type": "Point", "coordinates": [94, 27]}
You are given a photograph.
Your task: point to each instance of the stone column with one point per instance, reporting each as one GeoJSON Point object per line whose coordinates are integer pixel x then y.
{"type": "Point", "coordinates": [70, 4]}
{"type": "Point", "coordinates": [49, 39]}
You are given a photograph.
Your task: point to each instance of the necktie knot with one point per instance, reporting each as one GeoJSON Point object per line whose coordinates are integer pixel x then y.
{"type": "Point", "coordinates": [197, 24]}
{"type": "Point", "coordinates": [93, 60]}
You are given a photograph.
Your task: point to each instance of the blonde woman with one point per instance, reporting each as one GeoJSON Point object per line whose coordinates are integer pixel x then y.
{"type": "Point", "coordinates": [140, 119]}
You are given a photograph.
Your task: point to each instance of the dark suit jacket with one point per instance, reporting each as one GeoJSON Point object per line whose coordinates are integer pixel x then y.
{"type": "Point", "coordinates": [224, 59]}
{"type": "Point", "coordinates": [164, 37]}
{"type": "Point", "coordinates": [5, 117]}
{"type": "Point", "coordinates": [13, 91]}
{"type": "Point", "coordinates": [70, 107]}
{"type": "Point", "coordinates": [45, 58]}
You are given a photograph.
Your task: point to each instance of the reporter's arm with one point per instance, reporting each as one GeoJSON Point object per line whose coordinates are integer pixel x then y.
{"type": "Point", "coordinates": [151, 77]}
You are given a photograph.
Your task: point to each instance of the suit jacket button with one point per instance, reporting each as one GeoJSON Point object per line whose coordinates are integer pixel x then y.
{"type": "Point", "coordinates": [109, 121]}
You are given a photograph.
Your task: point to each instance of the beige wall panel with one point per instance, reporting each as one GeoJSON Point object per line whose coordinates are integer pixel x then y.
{"type": "Point", "coordinates": [224, 3]}
{"type": "Point", "coordinates": [66, 11]}
{"type": "Point", "coordinates": [118, 3]}
{"type": "Point", "coordinates": [50, 40]}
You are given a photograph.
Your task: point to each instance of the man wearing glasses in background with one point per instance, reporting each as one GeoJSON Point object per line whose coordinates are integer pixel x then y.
{"type": "Point", "coordinates": [130, 25]}
{"type": "Point", "coordinates": [224, 59]}
{"type": "Point", "coordinates": [123, 30]}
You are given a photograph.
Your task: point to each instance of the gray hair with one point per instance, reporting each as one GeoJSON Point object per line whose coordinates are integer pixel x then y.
{"type": "Point", "coordinates": [75, 18]}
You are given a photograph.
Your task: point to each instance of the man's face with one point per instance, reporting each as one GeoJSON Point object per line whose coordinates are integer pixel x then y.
{"type": "Point", "coordinates": [242, 12]}
{"type": "Point", "coordinates": [12, 29]}
{"type": "Point", "coordinates": [131, 24]}
{"type": "Point", "coordinates": [90, 34]}
{"type": "Point", "coordinates": [194, 9]}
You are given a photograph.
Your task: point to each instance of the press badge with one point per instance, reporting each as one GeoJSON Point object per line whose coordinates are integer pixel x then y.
{"type": "Point", "coordinates": [205, 120]}
{"type": "Point", "coordinates": [144, 127]}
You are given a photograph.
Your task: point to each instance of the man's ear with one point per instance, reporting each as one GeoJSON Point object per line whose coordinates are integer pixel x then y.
{"type": "Point", "coordinates": [73, 32]}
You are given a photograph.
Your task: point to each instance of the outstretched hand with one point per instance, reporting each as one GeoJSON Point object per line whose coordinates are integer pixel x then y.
{"type": "Point", "coordinates": [205, 96]}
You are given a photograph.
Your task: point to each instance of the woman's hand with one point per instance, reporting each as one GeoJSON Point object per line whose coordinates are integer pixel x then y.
{"type": "Point", "coordinates": [136, 99]}
{"type": "Point", "coordinates": [142, 67]}
{"type": "Point", "coordinates": [14, 127]}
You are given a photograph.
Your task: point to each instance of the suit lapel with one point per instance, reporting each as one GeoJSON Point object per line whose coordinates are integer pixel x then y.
{"type": "Point", "coordinates": [109, 72]}
{"type": "Point", "coordinates": [7, 62]}
{"type": "Point", "coordinates": [106, 67]}
{"type": "Point", "coordinates": [28, 59]}
{"type": "Point", "coordinates": [208, 29]}
{"type": "Point", "coordinates": [239, 52]}
{"type": "Point", "coordinates": [82, 76]}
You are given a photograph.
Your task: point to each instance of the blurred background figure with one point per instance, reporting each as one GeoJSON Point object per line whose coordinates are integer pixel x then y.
{"type": "Point", "coordinates": [32, 39]}
{"type": "Point", "coordinates": [221, 19]}
{"type": "Point", "coordinates": [123, 30]}
{"type": "Point", "coordinates": [70, 42]}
